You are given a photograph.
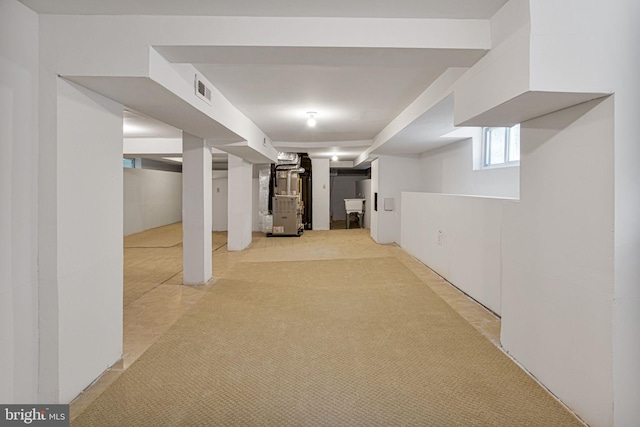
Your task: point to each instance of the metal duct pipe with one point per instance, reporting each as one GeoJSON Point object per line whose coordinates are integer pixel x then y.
{"type": "Point", "coordinates": [282, 168]}
{"type": "Point", "coordinates": [285, 167]}
{"type": "Point", "coordinates": [289, 172]}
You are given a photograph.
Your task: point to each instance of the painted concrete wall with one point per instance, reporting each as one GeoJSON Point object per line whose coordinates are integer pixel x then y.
{"type": "Point", "coordinates": [558, 258]}
{"type": "Point", "coordinates": [459, 237]}
{"type": "Point", "coordinates": [18, 203]}
{"type": "Point", "coordinates": [152, 199]}
{"type": "Point", "coordinates": [451, 170]}
{"type": "Point", "coordinates": [321, 193]}
{"type": "Point", "coordinates": [89, 229]}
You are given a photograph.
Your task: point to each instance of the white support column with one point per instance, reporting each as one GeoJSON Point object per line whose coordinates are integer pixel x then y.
{"type": "Point", "coordinates": [240, 203]}
{"type": "Point", "coordinates": [80, 250]}
{"type": "Point", "coordinates": [196, 210]}
{"type": "Point", "coordinates": [376, 201]}
{"type": "Point", "coordinates": [321, 194]}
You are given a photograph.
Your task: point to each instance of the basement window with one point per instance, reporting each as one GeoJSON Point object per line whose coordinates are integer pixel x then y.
{"type": "Point", "coordinates": [501, 146]}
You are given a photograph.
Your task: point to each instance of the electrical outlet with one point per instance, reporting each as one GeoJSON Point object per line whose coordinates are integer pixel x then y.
{"type": "Point", "coordinates": [440, 238]}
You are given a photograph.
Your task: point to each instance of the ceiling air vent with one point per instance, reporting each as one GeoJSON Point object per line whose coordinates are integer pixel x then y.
{"type": "Point", "coordinates": [202, 90]}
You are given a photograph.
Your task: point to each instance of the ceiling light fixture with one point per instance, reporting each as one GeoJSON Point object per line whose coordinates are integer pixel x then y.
{"type": "Point", "coordinates": [311, 122]}
{"type": "Point", "coordinates": [334, 158]}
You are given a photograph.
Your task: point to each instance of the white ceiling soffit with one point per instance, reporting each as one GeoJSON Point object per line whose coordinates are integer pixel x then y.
{"type": "Point", "coordinates": [243, 150]}
{"type": "Point", "coordinates": [433, 129]}
{"type": "Point", "coordinates": [175, 158]}
{"type": "Point", "coordinates": [344, 150]}
{"type": "Point", "coordinates": [355, 92]}
{"type": "Point", "coordinates": [151, 99]}
{"type": "Point", "coordinates": [138, 125]}
{"type": "Point", "coordinates": [527, 106]}
{"type": "Point", "coordinates": [448, 9]}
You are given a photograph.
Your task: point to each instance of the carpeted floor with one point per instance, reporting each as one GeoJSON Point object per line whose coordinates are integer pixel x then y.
{"type": "Point", "coordinates": [154, 257]}
{"type": "Point", "coordinates": [323, 330]}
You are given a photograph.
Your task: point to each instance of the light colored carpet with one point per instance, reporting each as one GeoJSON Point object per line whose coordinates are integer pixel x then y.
{"type": "Point", "coordinates": [166, 237]}
{"type": "Point", "coordinates": [326, 342]}
{"type": "Point", "coordinates": [154, 257]}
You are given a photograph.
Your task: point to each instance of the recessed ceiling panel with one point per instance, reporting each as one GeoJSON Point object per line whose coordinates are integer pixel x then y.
{"type": "Point", "coordinates": [355, 92]}
{"type": "Point", "coordinates": [352, 103]}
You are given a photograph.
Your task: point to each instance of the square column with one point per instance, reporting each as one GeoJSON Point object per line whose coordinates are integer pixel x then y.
{"type": "Point", "coordinates": [196, 210]}
{"type": "Point", "coordinates": [80, 247]}
{"type": "Point", "coordinates": [321, 194]}
{"type": "Point", "coordinates": [240, 203]}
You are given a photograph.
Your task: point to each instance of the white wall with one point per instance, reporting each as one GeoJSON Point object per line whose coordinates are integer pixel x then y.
{"type": "Point", "coordinates": [152, 198]}
{"type": "Point", "coordinates": [240, 203]}
{"type": "Point", "coordinates": [89, 226]}
{"type": "Point", "coordinates": [558, 258]}
{"type": "Point", "coordinates": [255, 200]}
{"type": "Point", "coordinates": [450, 169]}
{"type": "Point", "coordinates": [363, 190]}
{"type": "Point", "coordinates": [374, 199]}
{"type": "Point", "coordinates": [18, 203]}
{"type": "Point", "coordinates": [220, 203]}
{"type": "Point", "coordinates": [545, 263]}
{"type": "Point", "coordinates": [564, 41]}
{"type": "Point", "coordinates": [504, 72]}
{"type": "Point", "coordinates": [501, 74]}
{"type": "Point", "coordinates": [320, 192]}
{"type": "Point", "coordinates": [390, 176]}
{"type": "Point", "coordinates": [459, 237]}
{"type": "Point", "coordinates": [622, 33]}
{"type": "Point", "coordinates": [342, 187]}
{"type": "Point", "coordinates": [571, 300]}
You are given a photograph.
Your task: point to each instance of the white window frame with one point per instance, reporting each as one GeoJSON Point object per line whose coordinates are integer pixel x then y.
{"type": "Point", "coordinates": [486, 155]}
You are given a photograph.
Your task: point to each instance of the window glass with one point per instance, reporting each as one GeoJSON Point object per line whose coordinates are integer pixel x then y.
{"type": "Point", "coordinates": [514, 144]}
{"type": "Point", "coordinates": [501, 145]}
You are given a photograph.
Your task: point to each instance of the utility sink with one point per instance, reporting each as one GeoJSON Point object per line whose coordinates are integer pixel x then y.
{"type": "Point", "coordinates": [354, 205]}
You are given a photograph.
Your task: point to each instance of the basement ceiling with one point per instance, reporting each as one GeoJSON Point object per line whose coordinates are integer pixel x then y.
{"type": "Point", "coordinates": [355, 91]}
{"type": "Point", "coordinates": [446, 9]}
